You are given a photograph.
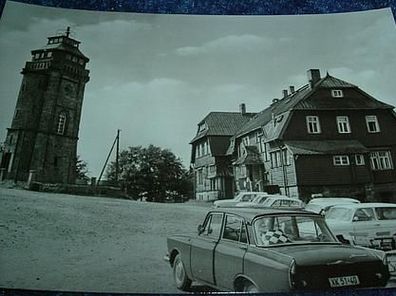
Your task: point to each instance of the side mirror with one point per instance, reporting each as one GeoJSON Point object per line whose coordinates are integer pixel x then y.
{"type": "Point", "coordinates": [355, 218]}
{"type": "Point", "coordinates": [342, 239]}
{"type": "Point", "coordinates": [200, 229]}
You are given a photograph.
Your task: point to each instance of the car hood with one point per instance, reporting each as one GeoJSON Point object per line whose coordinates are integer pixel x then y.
{"type": "Point", "coordinates": [328, 254]}
{"type": "Point", "coordinates": [225, 203]}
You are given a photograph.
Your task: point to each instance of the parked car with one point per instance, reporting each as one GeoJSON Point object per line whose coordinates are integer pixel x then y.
{"type": "Point", "coordinates": [365, 224]}
{"type": "Point", "coordinates": [271, 250]}
{"type": "Point", "coordinates": [321, 205]}
{"type": "Point", "coordinates": [241, 197]}
{"type": "Point", "coordinates": [274, 201]}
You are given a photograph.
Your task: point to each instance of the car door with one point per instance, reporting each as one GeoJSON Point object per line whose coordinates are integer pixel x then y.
{"type": "Point", "coordinates": [365, 226]}
{"type": "Point", "coordinates": [202, 248]}
{"type": "Point", "coordinates": [230, 251]}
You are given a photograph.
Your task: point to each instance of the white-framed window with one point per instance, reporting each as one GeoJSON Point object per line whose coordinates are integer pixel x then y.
{"type": "Point", "coordinates": [313, 125]}
{"type": "Point", "coordinates": [359, 159]}
{"type": "Point", "coordinates": [340, 160]}
{"type": "Point", "coordinates": [246, 141]}
{"type": "Point", "coordinates": [279, 158]}
{"type": "Point", "coordinates": [285, 154]}
{"type": "Point", "coordinates": [343, 125]}
{"type": "Point", "coordinates": [60, 128]}
{"type": "Point", "coordinates": [199, 177]}
{"type": "Point", "coordinates": [258, 137]}
{"type": "Point", "coordinates": [201, 127]}
{"type": "Point", "coordinates": [337, 93]}
{"type": "Point", "coordinates": [372, 124]}
{"type": "Point", "coordinates": [262, 145]}
{"type": "Point", "coordinates": [381, 160]}
{"type": "Point", "coordinates": [274, 162]}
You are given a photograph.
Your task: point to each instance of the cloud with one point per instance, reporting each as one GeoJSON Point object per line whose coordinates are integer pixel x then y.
{"type": "Point", "coordinates": [228, 44]}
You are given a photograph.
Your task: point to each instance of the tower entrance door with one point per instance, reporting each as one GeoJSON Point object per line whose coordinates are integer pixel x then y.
{"type": "Point", "coordinates": [5, 161]}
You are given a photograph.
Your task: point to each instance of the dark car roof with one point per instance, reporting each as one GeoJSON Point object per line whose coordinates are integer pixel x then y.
{"type": "Point", "coordinates": [250, 213]}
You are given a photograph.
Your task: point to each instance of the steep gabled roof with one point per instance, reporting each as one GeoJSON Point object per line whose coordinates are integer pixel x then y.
{"type": "Point", "coordinates": [332, 82]}
{"type": "Point", "coordinates": [222, 124]}
{"type": "Point", "coordinates": [300, 100]}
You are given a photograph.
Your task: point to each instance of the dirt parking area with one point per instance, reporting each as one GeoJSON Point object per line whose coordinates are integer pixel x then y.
{"type": "Point", "coordinates": [79, 243]}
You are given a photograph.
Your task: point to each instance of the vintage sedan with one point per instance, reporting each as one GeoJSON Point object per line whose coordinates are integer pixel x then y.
{"type": "Point", "coordinates": [274, 201]}
{"type": "Point", "coordinates": [243, 196]}
{"type": "Point", "coordinates": [323, 204]}
{"type": "Point", "coordinates": [365, 224]}
{"type": "Point", "coordinates": [271, 250]}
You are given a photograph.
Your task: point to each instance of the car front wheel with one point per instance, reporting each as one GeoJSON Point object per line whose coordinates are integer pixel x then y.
{"type": "Point", "coordinates": [250, 288]}
{"type": "Point", "coordinates": [179, 274]}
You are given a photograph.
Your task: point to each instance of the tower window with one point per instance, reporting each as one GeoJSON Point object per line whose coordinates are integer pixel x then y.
{"type": "Point", "coordinates": [60, 129]}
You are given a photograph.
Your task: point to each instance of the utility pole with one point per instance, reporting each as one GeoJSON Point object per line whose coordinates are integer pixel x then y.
{"type": "Point", "coordinates": [116, 141]}
{"type": "Point", "coordinates": [117, 153]}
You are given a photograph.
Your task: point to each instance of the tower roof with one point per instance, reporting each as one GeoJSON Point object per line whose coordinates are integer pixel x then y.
{"type": "Point", "coordinates": [63, 42]}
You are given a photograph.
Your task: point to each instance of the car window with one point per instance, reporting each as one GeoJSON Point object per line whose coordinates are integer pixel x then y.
{"type": "Point", "coordinates": [247, 197]}
{"type": "Point", "coordinates": [313, 208]}
{"type": "Point", "coordinates": [366, 214]}
{"type": "Point", "coordinates": [235, 229]}
{"type": "Point", "coordinates": [284, 229]}
{"type": "Point", "coordinates": [213, 226]}
{"type": "Point", "coordinates": [261, 199]}
{"type": "Point", "coordinates": [277, 203]}
{"type": "Point", "coordinates": [340, 214]}
{"type": "Point", "coordinates": [385, 213]}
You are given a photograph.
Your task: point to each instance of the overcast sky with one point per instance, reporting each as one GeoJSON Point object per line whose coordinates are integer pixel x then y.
{"type": "Point", "coordinates": [156, 76]}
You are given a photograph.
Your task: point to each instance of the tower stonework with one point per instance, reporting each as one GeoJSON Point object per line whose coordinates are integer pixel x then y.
{"type": "Point", "coordinates": [44, 131]}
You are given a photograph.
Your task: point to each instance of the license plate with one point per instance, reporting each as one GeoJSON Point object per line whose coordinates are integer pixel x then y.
{"type": "Point", "coordinates": [344, 281]}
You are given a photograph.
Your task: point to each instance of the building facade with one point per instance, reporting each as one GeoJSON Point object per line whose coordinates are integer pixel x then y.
{"type": "Point", "coordinates": [328, 137]}
{"type": "Point", "coordinates": [213, 176]}
{"type": "Point", "coordinates": [44, 130]}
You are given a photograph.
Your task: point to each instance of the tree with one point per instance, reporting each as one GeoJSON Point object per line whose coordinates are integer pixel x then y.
{"type": "Point", "coordinates": [81, 169]}
{"type": "Point", "coordinates": [151, 171]}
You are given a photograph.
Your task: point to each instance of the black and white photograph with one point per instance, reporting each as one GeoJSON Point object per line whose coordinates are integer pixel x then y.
{"type": "Point", "coordinates": [169, 153]}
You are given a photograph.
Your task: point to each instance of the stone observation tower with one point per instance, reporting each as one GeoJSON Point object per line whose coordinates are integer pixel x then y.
{"type": "Point", "coordinates": [44, 131]}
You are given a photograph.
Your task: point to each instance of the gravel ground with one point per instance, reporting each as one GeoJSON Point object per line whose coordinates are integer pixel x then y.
{"type": "Point", "coordinates": [79, 243]}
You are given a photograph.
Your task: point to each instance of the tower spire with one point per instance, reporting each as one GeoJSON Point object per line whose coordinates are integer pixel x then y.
{"type": "Point", "coordinates": [67, 31]}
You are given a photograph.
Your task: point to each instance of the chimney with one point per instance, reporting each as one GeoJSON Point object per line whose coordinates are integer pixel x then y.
{"type": "Point", "coordinates": [242, 108]}
{"type": "Point", "coordinates": [284, 93]}
{"type": "Point", "coordinates": [291, 87]}
{"type": "Point", "coordinates": [313, 76]}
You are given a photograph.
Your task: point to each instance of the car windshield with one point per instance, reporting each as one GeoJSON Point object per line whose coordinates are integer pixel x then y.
{"type": "Point", "coordinates": [291, 229]}
{"type": "Point", "coordinates": [386, 213]}
{"type": "Point", "coordinates": [247, 197]}
{"type": "Point", "coordinates": [340, 214]}
{"type": "Point", "coordinates": [278, 203]}
{"type": "Point", "coordinates": [260, 199]}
